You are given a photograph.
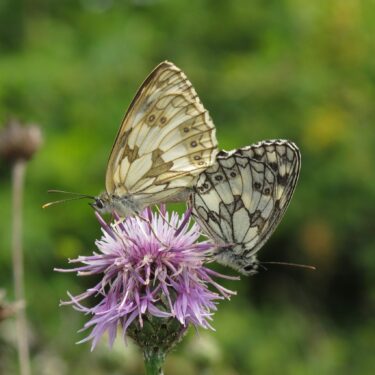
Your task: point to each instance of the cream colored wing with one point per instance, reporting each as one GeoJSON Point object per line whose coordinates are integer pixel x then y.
{"type": "Point", "coordinates": [166, 139]}
{"type": "Point", "coordinates": [241, 199]}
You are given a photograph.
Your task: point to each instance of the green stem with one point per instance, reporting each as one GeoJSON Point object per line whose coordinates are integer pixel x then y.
{"type": "Point", "coordinates": [18, 174]}
{"type": "Point", "coordinates": [154, 360]}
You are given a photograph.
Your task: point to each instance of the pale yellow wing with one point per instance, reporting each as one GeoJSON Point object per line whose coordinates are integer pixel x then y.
{"type": "Point", "coordinates": [166, 138]}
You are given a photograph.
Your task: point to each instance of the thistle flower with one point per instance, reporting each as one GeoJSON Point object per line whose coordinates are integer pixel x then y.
{"type": "Point", "coordinates": [154, 283]}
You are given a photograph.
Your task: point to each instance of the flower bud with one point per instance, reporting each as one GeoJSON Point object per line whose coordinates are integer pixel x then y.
{"type": "Point", "coordinates": [156, 334]}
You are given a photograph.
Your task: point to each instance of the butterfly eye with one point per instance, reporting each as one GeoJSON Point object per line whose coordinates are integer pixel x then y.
{"type": "Point", "coordinates": [99, 204]}
{"type": "Point", "coordinates": [248, 268]}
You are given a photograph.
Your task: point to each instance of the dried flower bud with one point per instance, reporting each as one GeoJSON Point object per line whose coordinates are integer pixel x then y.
{"type": "Point", "coordinates": [19, 142]}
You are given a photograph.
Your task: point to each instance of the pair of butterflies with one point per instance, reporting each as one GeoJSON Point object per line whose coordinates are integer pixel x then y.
{"type": "Point", "coordinates": [166, 150]}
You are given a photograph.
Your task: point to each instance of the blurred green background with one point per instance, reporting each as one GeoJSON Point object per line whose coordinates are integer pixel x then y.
{"type": "Point", "coordinates": [296, 69]}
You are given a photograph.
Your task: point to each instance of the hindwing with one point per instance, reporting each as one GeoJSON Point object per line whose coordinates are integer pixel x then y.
{"type": "Point", "coordinates": [240, 200]}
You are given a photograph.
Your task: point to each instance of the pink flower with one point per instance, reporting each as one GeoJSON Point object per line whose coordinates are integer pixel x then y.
{"type": "Point", "coordinates": [152, 266]}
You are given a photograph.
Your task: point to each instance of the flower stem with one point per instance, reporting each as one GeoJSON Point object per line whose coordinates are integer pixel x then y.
{"type": "Point", "coordinates": [154, 360]}
{"type": "Point", "coordinates": [18, 174]}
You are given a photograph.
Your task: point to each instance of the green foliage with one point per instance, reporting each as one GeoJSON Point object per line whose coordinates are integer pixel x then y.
{"type": "Point", "coordinates": [286, 69]}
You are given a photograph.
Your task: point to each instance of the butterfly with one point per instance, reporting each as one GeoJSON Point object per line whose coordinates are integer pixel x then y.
{"type": "Point", "coordinates": [165, 141]}
{"type": "Point", "coordinates": [240, 200]}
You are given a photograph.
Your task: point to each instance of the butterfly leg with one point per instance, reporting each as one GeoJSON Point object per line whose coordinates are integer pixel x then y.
{"type": "Point", "coordinates": [152, 229]}
{"type": "Point", "coordinates": [164, 218]}
{"type": "Point", "coordinates": [181, 196]}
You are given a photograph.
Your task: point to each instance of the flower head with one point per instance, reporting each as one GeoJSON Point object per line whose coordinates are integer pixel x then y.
{"type": "Point", "coordinates": [152, 267]}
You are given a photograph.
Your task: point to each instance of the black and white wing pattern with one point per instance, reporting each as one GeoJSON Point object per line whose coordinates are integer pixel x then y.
{"type": "Point", "coordinates": [240, 200]}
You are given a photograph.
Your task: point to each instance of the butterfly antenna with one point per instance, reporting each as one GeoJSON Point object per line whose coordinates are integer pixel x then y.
{"type": "Point", "coordinates": [64, 200]}
{"type": "Point", "coordinates": [77, 196]}
{"type": "Point", "coordinates": [313, 268]}
{"type": "Point", "coordinates": [70, 192]}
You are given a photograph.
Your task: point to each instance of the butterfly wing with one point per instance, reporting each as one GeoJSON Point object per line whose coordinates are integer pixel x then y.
{"type": "Point", "coordinates": [166, 139]}
{"type": "Point", "coordinates": [240, 200]}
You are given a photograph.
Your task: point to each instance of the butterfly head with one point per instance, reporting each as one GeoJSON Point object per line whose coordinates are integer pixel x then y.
{"type": "Point", "coordinates": [102, 203]}
{"type": "Point", "coordinates": [235, 257]}
{"type": "Point", "coordinates": [123, 205]}
{"type": "Point", "coordinates": [251, 267]}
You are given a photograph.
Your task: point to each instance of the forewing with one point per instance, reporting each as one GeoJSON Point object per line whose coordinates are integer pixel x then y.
{"type": "Point", "coordinates": [241, 199]}
{"type": "Point", "coordinates": [166, 138]}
